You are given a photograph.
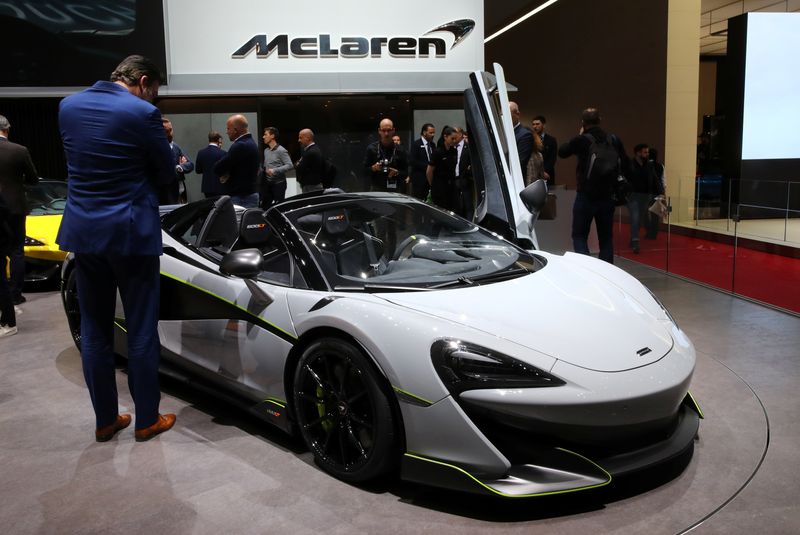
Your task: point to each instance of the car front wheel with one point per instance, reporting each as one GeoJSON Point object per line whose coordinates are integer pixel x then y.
{"type": "Point", "coordinates": [342, 412]}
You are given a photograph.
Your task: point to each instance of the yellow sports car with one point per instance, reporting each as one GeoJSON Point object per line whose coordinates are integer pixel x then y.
{"type": "Point", "coordinates": [46, 201]}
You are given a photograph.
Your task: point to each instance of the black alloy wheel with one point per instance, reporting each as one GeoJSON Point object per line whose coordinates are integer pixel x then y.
{"type": "Point", "coordinates": [69, 294]}
{"type": "Point", "coordinates": [343, 415]}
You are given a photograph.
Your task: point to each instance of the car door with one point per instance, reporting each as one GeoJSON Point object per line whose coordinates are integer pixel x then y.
{"type": "Point", "coordinates": [495, 160]}
{"type": "Point", "coordinates": [213, 321]}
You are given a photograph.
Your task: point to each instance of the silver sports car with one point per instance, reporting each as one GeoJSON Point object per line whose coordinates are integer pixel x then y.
{"type": "Point", "coordinates": [392, 335]}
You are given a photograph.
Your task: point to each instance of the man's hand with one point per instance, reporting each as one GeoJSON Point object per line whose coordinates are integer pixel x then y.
{"type": "Point", "coordinates": [270, 172]}
{"type": "Point", "coordinates": [546, 176]}
{"type": "Point", "coordinates": [376, 167]}
{"type": "Point", "coordinates": [393, 172]}
{"type": "Point", "coordinates": [183, 159]}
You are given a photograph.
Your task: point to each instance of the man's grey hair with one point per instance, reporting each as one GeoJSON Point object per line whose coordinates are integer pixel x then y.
{"type": "Point", "coordinates": [4, 124]}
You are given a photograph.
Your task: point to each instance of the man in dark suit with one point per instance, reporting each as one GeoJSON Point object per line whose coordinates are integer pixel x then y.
{"type": "Point", "coordinates": [204, 165]}
{"type": "Point", "coordinates": [524, 139]}
{"type": "Point", "coordinates": [16, 170]}
{"type": "Point", "coordinates": [117, 157]}
{"type": "Point", "coordinates": [419, 157]}
{"type": "Point", "coordinates": [310, 167]}
{"type": "Point", "coordinates": [464, 182]}
{"type": "Point", "coordinates": [238, 168]}
{"type": "Point", "coordinates": [176, 192]}
{"type": "Point", "coordinates": [549, 149]}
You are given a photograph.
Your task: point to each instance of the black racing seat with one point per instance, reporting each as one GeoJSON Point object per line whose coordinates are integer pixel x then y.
{"type": "Point", "coordinates": [254, 232]}
{"type": "Point", "coordinates": [220, 230]}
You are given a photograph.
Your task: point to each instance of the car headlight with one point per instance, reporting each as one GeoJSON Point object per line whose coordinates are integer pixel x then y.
{"type": "Point", "coordinates": [30, 241]}
{"type": "Point", "coordinates": [657, 300]}
{"type": "Point", "coordinates": [464, 366]}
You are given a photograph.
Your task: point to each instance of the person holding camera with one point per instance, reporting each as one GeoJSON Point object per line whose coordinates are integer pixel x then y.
{"type": "Point", "coordinates": [385, 162]}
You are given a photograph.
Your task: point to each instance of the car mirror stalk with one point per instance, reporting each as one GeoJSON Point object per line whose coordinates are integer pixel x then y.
{"type": "Point", "coordinates": [246, 264]}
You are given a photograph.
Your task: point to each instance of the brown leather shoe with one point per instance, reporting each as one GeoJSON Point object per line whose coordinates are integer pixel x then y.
{"type": "Point", "coordinates": [164, 422]}
{"type": "Point", "coordinates": [106, 433]}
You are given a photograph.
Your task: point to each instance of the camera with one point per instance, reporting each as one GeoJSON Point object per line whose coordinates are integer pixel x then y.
{"type": "Point", "coordinates": [384, 165]}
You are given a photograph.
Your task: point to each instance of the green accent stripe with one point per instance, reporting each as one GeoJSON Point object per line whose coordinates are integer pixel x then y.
{"type": "Point", "coordinates": [696, 405]}
{"type": "Point", "coordinates": [412, 396]}
{"type": "Point", "coordinates": [503, 494]}
{"type": "Point", "coordinates": [120, 325]}
{"type": "Point", "coordinates": [275, 401]}
{"type": "Point", "coordinates": [259, 319]}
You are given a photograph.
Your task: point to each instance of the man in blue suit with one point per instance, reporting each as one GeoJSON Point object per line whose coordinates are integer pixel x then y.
{"type": "Point", "coordinates": [175, 192]}
{"type": "Point", "coordinates": [239, 167]}
{"type": "Point", "coordinates": [523, 137]}
{"type": "Point", "coordinates": [204, 165]}
{"type": "Point", "coordinates": [117, 157]}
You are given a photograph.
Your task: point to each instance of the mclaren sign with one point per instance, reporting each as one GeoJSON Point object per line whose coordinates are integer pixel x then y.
{"type": "Point", "coordinates": [324, 46]}
{"type": "Point", "coordinates": [238, 47]}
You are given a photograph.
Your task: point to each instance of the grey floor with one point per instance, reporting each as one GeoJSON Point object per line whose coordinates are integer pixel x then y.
{"type": "Point", "coordinates": [222, 471]}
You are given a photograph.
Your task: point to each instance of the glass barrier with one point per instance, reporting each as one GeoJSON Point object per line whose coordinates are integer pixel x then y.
{"type": "Point", "coordinates": [641, 235]}
{"type": "Point", "coordinates": [761, 209]}
{"type": "Point", "coordinates": [764, 269]}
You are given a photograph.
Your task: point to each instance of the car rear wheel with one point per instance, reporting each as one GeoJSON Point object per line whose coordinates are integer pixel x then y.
{"type": "Point", "coordinates": [69, 293]}
{"type": "Point", "coordinates": [343, 414]}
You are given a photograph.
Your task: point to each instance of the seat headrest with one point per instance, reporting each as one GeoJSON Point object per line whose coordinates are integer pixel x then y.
{"type": "Point", "coordinates": [253, 228]}
{"type": "Point", "coordinates": [335, 222]}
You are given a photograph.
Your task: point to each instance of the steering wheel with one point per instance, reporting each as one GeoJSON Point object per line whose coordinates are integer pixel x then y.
{"type": "Point", "coordinates": [403, 245]}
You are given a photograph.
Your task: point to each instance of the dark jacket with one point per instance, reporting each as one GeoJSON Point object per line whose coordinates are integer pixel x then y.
{"type": "Point", "coordinates": [117, 157]}
{"type": "Point", "coordinates": [524, 138]}
{"type": "Point", "coordinates": [241, 164]}
{"type": "Point", "coordinates": [549, 155]}
{"type": "Point", "coordinates": [579, 146]}
{"type": "Point", "coordinates": [398, 159]}
{"type": "Point", "coordinates": [16, 170]}
{"type": "Point", "coordinates": [418, 160]}
{"type": "Point", "coordinates": [170, 193]}
{"type": "Point", "coordinates": [311, 167]}
{"type": "Point", "coordinates": [204, 165]}
{"type": "Point", "coordinates": [643, 178]}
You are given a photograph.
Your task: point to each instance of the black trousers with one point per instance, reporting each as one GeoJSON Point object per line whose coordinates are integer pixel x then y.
{"type": "Point", "coordinates": [17, 254]}
{"type": "Point", "coordinates": [7, 315]}
{"type": "Point", "coordinates": [601, 211]}
{"type": "Point", "coordinates": [272, 193]}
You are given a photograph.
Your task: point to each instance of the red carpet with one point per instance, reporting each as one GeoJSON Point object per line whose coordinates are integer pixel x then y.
{"type": "Point", "coordinates": [770, 278]}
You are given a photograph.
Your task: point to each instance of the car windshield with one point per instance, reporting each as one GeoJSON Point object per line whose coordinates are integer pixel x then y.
{"type": "Point", "coordinates": [47, 197]}
{"type": "Point", "coordinates": [400, 243]}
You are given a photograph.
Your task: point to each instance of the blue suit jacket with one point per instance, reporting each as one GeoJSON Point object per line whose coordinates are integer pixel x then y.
{"type": "Point", "coordinates": [117, 157]}
{"type": "Point", "coordinates": [170, 194]}
{"type": "Point", "coordinates": [241, 164]}
{"type": "Point", "coordinates": [524, 138]}
{"type": "Point", "coordinates": [204, 164]}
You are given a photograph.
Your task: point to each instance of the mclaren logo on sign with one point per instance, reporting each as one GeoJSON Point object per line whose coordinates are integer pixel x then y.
{"type": "Point", "coordinates": [357, 47]}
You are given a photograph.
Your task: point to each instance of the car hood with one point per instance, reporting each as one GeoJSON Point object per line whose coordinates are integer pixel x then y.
{"type": "Point", "coordinates": [564, 310]}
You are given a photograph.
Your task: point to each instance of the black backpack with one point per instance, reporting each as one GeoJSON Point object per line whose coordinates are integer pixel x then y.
{"type": "Point", "coordinates": [604, 175]}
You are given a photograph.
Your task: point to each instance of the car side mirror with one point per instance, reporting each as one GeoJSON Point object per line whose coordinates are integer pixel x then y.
{"type": "Point", "coordinates": [534, 196]}
{"type": "Point", "coordinates": [246, 264]}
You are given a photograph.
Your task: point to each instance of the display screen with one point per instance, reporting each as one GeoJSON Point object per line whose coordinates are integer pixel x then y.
{"type": "Point", "coordinates": [772, 86]}
{"type": "Point", "coordinates": [57, 43]}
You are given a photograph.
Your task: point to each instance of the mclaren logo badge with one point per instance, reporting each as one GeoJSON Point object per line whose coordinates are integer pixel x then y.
{"type": "Point", "coordinates": [323, 46]}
